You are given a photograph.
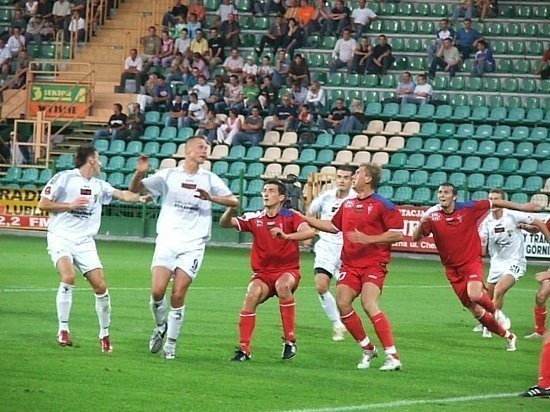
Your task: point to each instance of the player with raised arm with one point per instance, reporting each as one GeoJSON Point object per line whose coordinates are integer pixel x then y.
{"type": "Point", "coordinates": [329, 246]}
{"type": "Point", "coordinates": [275, 261]}
{"type": "Point", "coordinates": [370, 224]}
{"type": "Point", "coordinates": [74, 199]}
{"type": "Point", "coordinates": [501, 234]}
{"type": "Point", "coordinates": [454, 226]}
{"type": "Point", "coordinates": [183, 228]}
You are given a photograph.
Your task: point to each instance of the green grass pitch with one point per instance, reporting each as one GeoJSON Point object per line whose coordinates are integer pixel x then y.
{"type": "Point", "coordinates": [446, 365]}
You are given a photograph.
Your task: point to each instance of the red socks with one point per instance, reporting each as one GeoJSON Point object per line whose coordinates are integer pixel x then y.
{"type": "Point", "coordinates": [487, 303]}
{"type": "Point", "coordinates": [353, 324]}
{"type": "Point", "coordinates": [544, 367]}
{"type": "Point", "coordinates": [288, 310]}
{"type": "Point", "coordinates": [383, 329]}
{"type": "Point", "coordinates": [491, 323]}
{"type": "Point", "coordinates": [247, 321]}
{"type": "Point", "coordinates": [540, 319]}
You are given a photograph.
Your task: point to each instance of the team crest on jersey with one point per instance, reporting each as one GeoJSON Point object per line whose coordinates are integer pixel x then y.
{"type": "Point", "coordinates": [86, 192]}
{"type": "Point", "coordinates": [370, 207]}
{"type": "Point", "coordinates": [259, 223]}
{"type": "Point", "coordinates": [454, 220]}
{"type": "Point", "coordinates": [435, 217]}
{"type": "Point", "coordinates": [348, 204]}
{"type": "Point", "coordinates": [188, 185]}
{"type": "Point", "coordinates": [48, 190]}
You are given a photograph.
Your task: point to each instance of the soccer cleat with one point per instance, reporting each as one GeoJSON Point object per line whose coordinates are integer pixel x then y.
{"type": "Point", "coordinates": [106, 346]}
{"type": "Point", "coordinates": [511, 344]}
{"type": "Point", "coordinates": [169, 350]}
{"type": "Point", "coordinates": [157, 338]}
{"type": "Point", "coordinates": [64, 339]}
{"type": "Point", "coordinates": [368, 355]}
{"type": "Point", "coordinates": [289, 350]}
{"type": "Point", "coordinates": [503, 319]}
{"type": "Point", "coordinates": [487, 333]}
{"type": "Point", "coordinates": [391, 364]}
{"type": "Point", "coordinates": [338, 333]}
{"type": "Point", "coordinates": [534, 336]}
{"type": "Point", "coordinates": [536, 391]}
{"type": "Point", "coordinates": [240, 356]}
{"type": "Point", "coordinates": [478, 328]}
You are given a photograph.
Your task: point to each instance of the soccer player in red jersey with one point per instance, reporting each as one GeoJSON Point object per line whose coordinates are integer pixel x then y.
{"type": "Point", "coordinates": [370, 224]}
{"type": "Point", "coordinates": [275, 261]}
{"type": "Point", "coordinates": [454, 226]}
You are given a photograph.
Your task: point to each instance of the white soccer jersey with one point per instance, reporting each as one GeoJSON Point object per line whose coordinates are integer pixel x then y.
{"type": "Point", "coordinates": [185, 219]}
{"type": "Point", "coordinates": [67, 186]}
{"type": "Point", "coordinates": [326, 205]}
{"type": "Point", "coordinates": [504, 238]}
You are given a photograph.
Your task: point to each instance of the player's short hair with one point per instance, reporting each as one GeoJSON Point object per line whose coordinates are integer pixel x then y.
{"type": "Point", "coordinates": [500, 192]}
{"type": "Point", "coordinates": [449, 184]}
{"type": "Point", "coordinates": [280, 185]}
{"type": "Point", "coordinates": [346, 168]}
{"type": "Point", "coordinates": [375, 172]}
{"type": "Point", "coordinates": [83, 154]}
{"type": "Point", "coordinates": [195, 138]}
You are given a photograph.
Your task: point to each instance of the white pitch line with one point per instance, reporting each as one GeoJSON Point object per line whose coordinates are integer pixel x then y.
{"type": "Point", "coordinates": [399, 404]}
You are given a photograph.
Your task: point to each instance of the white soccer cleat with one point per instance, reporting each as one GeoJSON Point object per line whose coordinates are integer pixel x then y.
{"type": "Point", "coordinates": [511, 344]}
{"type": "Point", "coordinates": [478, 328]}
{"type": "Point", "coordinates": [157, 338]}
{"type": "Point", "coordinates": [534, 336]}
{"type": "Point", "coordinates": [503, 319]}
{"type": "Point", "coordinates": [169, 351]}
{"type": "Point", "coordinates": [391, 364]}
{"type": "Point", "coordinates": [368, 355]}
{"type": "Point", "coordinates": [486, 333]}
{"type": "Point", "coordinates": [338, 333]}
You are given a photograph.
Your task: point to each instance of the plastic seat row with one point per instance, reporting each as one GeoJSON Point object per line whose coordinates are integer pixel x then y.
{"type": "Point", "coordinates": [24, 176]}
{"type": "Point", "coordinates": [491, 84]}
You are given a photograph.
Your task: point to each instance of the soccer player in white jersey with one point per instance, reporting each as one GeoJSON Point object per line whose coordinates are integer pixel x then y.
{"type": "Point", "coordinates": [74, 199]}
{"type": "Point", "coordinates": [183, 228]}
{"type": "Point", "coordinates": [329, 246]}
{"type": "Point", "coordinates": [502, 237]}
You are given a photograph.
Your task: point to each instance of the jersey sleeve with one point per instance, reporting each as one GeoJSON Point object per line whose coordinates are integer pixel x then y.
{"type": "Point", "coordinates": [218, 186]}
{"type": "Point", "coordinates": [244, 222]}
{"type": "Point", "coordinates": [484, 229]}
{"type": "Point", "coordinates": [337, 219]}
{"type": "Point", "coordinates": [298, 220]}
{"type": "Point", "coordinates": [106, 192]}
{"type": "Point", "coordinates": [55, 187]}
{"type": "Point", "coordinates": [393, 220]}
{"type": "Point", "coordinates": [520, 217]}
{"type": "Point", "coordinates": [315, 206]}
{"type": "Point", "coordinates": [482, 206]}
{"type": "Point", "coordinates": [427, 227]}
{"type": "Point", "coordinates": [156, 184]}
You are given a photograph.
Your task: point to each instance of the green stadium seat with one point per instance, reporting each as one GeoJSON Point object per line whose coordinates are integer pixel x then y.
{"type": "Point", "coordinates": [542, 151]}
{"type": "Point", "coordinates": [236, 153]}
{"type": "Point", "coordinates": [443, 112]}
{"type": "Point", "coordinates": [486, 148]}
{"type": "Point", "coordinates": [479, 114]}
{"type": "Point", "coordinates": [167, 149]}
{"type": "Point", "coordinates": [434, 161]}
{"type": "Point", "coordinates": [235, 169]}
{"type": "Point", "coordinates": [513, 183]}
{"type": "Point", "coordinates": [440, 10]}
{"type": "Point", "coordinates": [328, 42]}
{"type": "Point", "coordinates": [116, 164]}
{"type": "Point", "coordinates": [541, 12]}
{"type": "Point", "coordinates": [220, 168]}
{"type": "Point", "coordinates": [446, 130]}
{"type": "Point", "coordinates": [533, 184]}
{"type": "Point", "coordinates": [461, 113]}
{"type": "Point", "coordinates": [324, 157]}
{"type": "Point", "coordinates": [471, 164]}
{"type": "Point", "coordinates": [524, 149]}
{"type": "Point", "coordinates": [505, 149]}
{"type": "Point", "coordinates": [430, 145]}
{"type": "Point", "coordinates": [306, 171]}
{"type": "Point", "coordinates": [414, 44]}
{"type": "Point", "coordinates": [476, 181]}
{"type": "Point", "coordinates": [413, 145]}
{"type": "Point", "coordinates": [323, 140]}
{"type": "Point", "coordinates": [377, 26]}
{"type": "Point", "coordinates": [506, 11]}
{"type": "Point", "coordinates": [422, 9]}
{"type": "Point", "coordinates": [498, 114]}
{"type": "Point", "coordinates": [428, 129]}
{"type": "Point", "coordinates": [44, 177]}
{"type": "Point", "coordinates": [254, 170]}
{"type": "Point", "coordinates": [116, 179]}
{"type": "Point", "coordinates": [458, 179]}
{"type": "Point", "coordinates": [534, 116]}
{"type": "Point", "coordinates": [523, 67]}
{"type": "Point", "coordinates": [397, 160]}
{"type": "Point", "coordinates": [512, 29]}
{"type": "Point", "coordinates": [101, 145]}
{"type": "Point", "coordinates": [307, 156]}
{"type": "Point", "coordinates": [530, 30]}
{"type": "Point", "coordinates": [436, 179]}
{"type": "Point", "coordinates": [495, 30]}
{"type": "Point", "coordinates": [479, 195]}
{"type": "Point", "coordinates": [418, 178]}
{"type": "Point", "coordinates": [494, 181]}
{"type": "Point", "coordinates": [519, 197]}
{"type": "Point", "coordinates": [235, 186]}
{"type": "Point", "coordinates": [452, 162]}
{"type": "Point", "coordinates": [373, 109]}
{"type": "Point", "coordinates": [168, 134]}
{"type": "Point", "coordinates": [513, 102]}
{"type": "Point", "coordinates": [402, 195]}
{"type": "Point", "coordinates": [385, 191]}
{"type": "Point", "coordinates": [212, 5]}
{"type": "Point", "coordinates": [28, 176]}
{"type": "Point", "coordinates": [390, 110]}
{"type": "Point", "coordinates": [465, 131]}
{"type": "Point", "coordinates": [508, 166]}
{"type": "Point", "coordinates": [341, 141]}
{"type": "Point", "coordinates": [477, 100]}
{"type": "Point", "coordinates": [544, 30]}
{"type": "Point", "coordinates": [254, 204]}
{"type": "Point", "coordinates": [152, 118]}
{"type": "Point", "coordinates": [415, 161]}
{"type": "Point", "coordinates": [388, 81]}
{"type": "Point", "coordinates": [133, 148]}
{"type": "Point", "coordinates": [183, 134]}
{"type": "Point", "coordinates": [490, 164]}
{"type": "Point", "coordinates": [398, 44]}
{"type": "Point", "coordinates": [440, 83]}
{"type": "Point", "coordinates": [528, 167]}
{"type": "Point", "coordinates": [531, 102]}
{"type": "Point", "coordinates": [509, 85]}
{"type": "Point", "coordinates": [421, 196]}
{"type": "Point", "coordinates": [528, 86]}
{"type": "Point", "coordinates": [151, 148]}
{"type": "Point", "coordinates": [253, 154]}
{"type": "Point", "coordinates": [150, 133]}
{"type": "Point", "coordinates": [468, 147]}
{"type": "Point", "coordinates": [242, 5]}
{"type": "Point", "coordinates": [484, 131]}
{"type": "Point", "coordinates": [535, 48]}
{"type": "Point", "coordinates": [425, 112]}
{"type": "Point", "coordinates": [254, 187]}
{"type": "Point", "coordinates": [503, 66]}
{"type": "Point", "coordinates": [65, 162]}
{"type": "Point", "coordinates": [399, 178]}
{"type": "Point", "coordinates": [449, 146]}
{"type": "Point", "coordinates": [115, 148]}
{"type": "Point", "coordinates": [515, 115]}
{"type": "Point", "coordinates": [500, 47]}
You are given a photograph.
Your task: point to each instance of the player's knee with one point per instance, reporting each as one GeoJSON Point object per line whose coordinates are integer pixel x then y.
{"type": "Point", "coordinates": [68, 278]}
{"type": "Point", "coordinates": [371, 309]}
{"type": "Point", "coordinates": [321, 288]}
{"type": "Point", "coordinates": [475, 296]}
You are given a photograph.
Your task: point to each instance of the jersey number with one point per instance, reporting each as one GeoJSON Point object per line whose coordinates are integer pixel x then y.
{"type": "Point", "coordinates": [194, 265]}
{"type": "Point", "coordinates": [515, 269]}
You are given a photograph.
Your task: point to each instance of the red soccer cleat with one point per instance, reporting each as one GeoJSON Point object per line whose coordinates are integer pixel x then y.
{"type": "Point", "coordinates": [64, 339]}
{"type": "Point", "coordinates": [106, 346]}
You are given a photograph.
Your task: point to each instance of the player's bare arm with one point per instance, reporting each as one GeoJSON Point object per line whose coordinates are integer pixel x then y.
{"type": "Point", "coordinates": [227, 220]}
{"type": "Point", "coordinates": [319, 224]}
{"type": "Point", "coordinates": [419, 230]}
{"type": "Point", "coordinates": [304, 232]}
{"type": "Point", "coordinates": [229, 201]}
{"type": "Point", "coordinates": [542, 276]}
{"type": "Point", "coordinates": [522, 207]}
{"type": "Point", "coordinates": [141, 168]}
{"type": "Point", "coordinates": [390, 236]}
{"type": "Point", "coordinates": [131, 197]}
{"type": "Point", "coordinates": [48, 205]}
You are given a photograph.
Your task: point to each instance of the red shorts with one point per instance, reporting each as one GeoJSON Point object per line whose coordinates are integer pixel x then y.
{"type": "Point", "coordinates": [270, 278]}
{"type": "Point", "coordinates": [355, 278]}
{"type": "Point", "coordinates": [460, 276]}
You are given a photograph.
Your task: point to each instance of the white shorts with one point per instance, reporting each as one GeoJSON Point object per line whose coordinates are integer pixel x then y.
{"type": "Point", "coordinates": [83, 254]}
{"type": "Point", "coordinates": [166, 255]}
{"type": "Point", "coordinates": [327, 256]}
{"type": "Point", "coordinates": [505, 268]}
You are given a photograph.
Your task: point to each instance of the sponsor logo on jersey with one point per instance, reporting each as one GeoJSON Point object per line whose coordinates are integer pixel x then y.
{"type": "Point", "coordinates": [435, 216]}
{"type": "Point", "coordinates": [188, 185]}
{"type": "Point", "coordinates": [86, 192]}
{"type": "Point", "coordinates": [499, 230]}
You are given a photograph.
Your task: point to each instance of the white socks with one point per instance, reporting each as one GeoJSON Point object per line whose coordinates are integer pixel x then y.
{"type": "Point", "coordinates": [103, 309]}
{"type": "Point", "coordinates": [329, 306]}
{"type": "Point", "coordinates": [159, 310]}
{"type": "Point", "coordinates": [64, 301]}
{"type": "Point", "coordinates": [175, 320]}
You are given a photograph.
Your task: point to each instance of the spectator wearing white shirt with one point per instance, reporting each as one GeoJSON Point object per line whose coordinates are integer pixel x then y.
{"type": "Point", "coordinates": [5, 60]}
{"type": "Point", "coordinates": [234, 63]}
{"type": "Point", "coordinates": [250, 68]}
{"type": "Point", "coordinates": [342, 55]}
{"type": "Point", "coordinates": [315, 98]}
{"type": "Point", "coordinates": [196, 111]}
{"type": "Point", "coordinates": [61, 14]}
{"type": "Point", "coordinates": [133, 69]}
{"type": "Point", "coordinates": [422, 92]}
{"type": "Point", "coordinates": [182, 43]}
{"type": "Point", "coordinates": [77, 27]}
{"type": "Point", "coordinates": [16, 42]}
{"type": "Point", "coordinates": [225, 9]}
{"type": "Point", "coordinates": [361, 17]}
{"type": "Point", "coordinates": [202, 88]}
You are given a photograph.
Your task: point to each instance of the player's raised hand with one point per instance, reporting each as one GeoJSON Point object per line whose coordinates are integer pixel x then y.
{"type": "Point", "coordinates": [277, 232]}
{"type": "Point", "coordinates": [146, 198]}
{"type": "Point", "coordinates": [531, 207]}
{"type": "Point", "coordinates": [203, 194]}
{"type": "Point", "coordinates": [79, 203]}
{"type": "Point", "coordinates": [358, 237]}
{"type": "Point", "coordinates": [143, 164]}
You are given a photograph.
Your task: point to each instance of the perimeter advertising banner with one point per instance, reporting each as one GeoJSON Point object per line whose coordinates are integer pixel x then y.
{"type": "Point", "coordinates": [67, 100]}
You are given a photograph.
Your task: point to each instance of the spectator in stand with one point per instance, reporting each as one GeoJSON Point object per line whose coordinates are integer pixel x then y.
{"type": "Point", "coordinates": [209, 126]}
{"type": "Point", "coordinates": [444, 32]}
{"type": "Point", "coordinates": [358, 111]}
{"type": "Point", "coordinates": [322, 15]}
{"type": "Point", "coordinates": [270, 6]}
{"type": "Point", "coordinates": [293, 37]}
{"type": "Point", "coordinates": [48, 31]}
{"type": "Point", "coordinates": [291, 10]}
{"type": "Point", "coordinates": [250, 68]}
{"type": "Point", "coordinates": [77, 28]}
{"type": "Point", "coordinates": [265, 69]}
{"type": "Point", "coordinates": [177, 112]}
{"type": "Point", "coordinates": [274, 37]}
{"type": "Point", "coordinates": [202, 89]}
{"type": "Point", "coordinates": [422, 92]}
{"type": "Point", "coordinates": [298, 92]}
{"type": "Point", "coordinates": [193, 24]}
{"type": "Point", "coordinates": [251, 91]}
{"type": "Point", "coordinates": [79, 6]}
{"type": "Point", "coordinates": [200, 63]}
{"type": "Point", "coordinates": [135, 124]}
{"type": "Point", "coordinates": [170, 17]}
{"type": "Point", "coordinates": [360, 55]}
{"type": "Point", "coordinates": [31, 8]}
{"type": "Point", "coordinates": [268, 94]}
{"type": "Point", "coordinates": [151, 46]}
{"type": "Point", "coordinates": [226, 8]}
{"type": "Point", "coordinates": [146, 97]}
{"type": "Point", "coordinates": [315, 98]}
{"type": "Point", "coordinates": [251, 130]}
{"type": "Point", "coordinates": [192, 78]}
{"type": "Point", "coordinates": [133, 69]}
{"type": "Point", "coordinates": [216, 55]}
{"type": "Point", "coordinates": [382, 58]}
{"type": "Point", "coordinates": [34, 27]}
{"type": "Point", "coordinates": [5, 61]}
{"type": "Point", "coordinates": [16, 42]}
{"type": "Point", "coordinates": [165, 55]}
{"type": "Point", "coordinates": [182, 43]}
{"type": "Point", "coordinates": [467, 39]}
{"type": "Point", "coordinates": [404, 88]}
{"type": "Point", "coordinates": [447, 58]}
{"type": "Point", "coordinates": [22, 65]}
{"type": "Point", "coordinates": [544, 67]}
{"type": "Point", "coordinates": [179, 70]}
{"type": "Point", "coordinates": [234, 63]}
{"type": "Point", "coordinates": [305, 119]}
{"type": "Point", "coordinates": [162, 94]}
{"type": "Point", "coordinates": [229, 128]}
{"type": "Point", "coordinates": [284, 116]}
{"type": "Point", "coordinates": [339, 119]}
{"type": "Point", "coordinates": [298, 70]}
{"type": "Point", "coordinates": [198, 9]}
{"type": "Point", "coordinates": [61, 14]}
{"type": "Point", "coordinates": [306, 16]}
{"type": "Point", "coordinates": [339, 19]}
{"type": "Point", "coordinates": [487, 8]}
{"type": "Point", "coordinates": [115, 125]}
{"type": "Point", "coordinates": [466, 9]}
{"type": "Point", "coordinates": [196, 111]}
{"type": "Point", "coordinates": [342, 55]}
{"type": "Point", "coordinates": [483, 60]}
{"type": "Point", "coordinates": [282, 66]}
{"type": "Point", "coordinates": [199, 44]}
{"type": "Point", "coordinates": [217, 93]}
{"type": "Point", "coordinates": [179, 26]}
{"type": "Point", "coordinates": [233, 94]}
{"type": "Point", "coordinates": [230, 31]}
{"type": "Point", "coordinates": [361, 18]}
{"type": "Point", "coordinates": [45, 8]}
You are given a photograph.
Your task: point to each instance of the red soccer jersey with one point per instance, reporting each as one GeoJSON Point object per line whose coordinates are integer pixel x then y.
{"type": "Point", "coordinates": [456, 234]}
{"type": "Point", "coordinates": [372, 215]}
{"type": "Point", "coordinates": [268, 253]}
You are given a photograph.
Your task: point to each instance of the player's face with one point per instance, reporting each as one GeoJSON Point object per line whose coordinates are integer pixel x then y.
{"type": "Point", "coordinates": [343, 180]}
{"type": "Point", "coordinates": [95, 163]}
{"type": "Point", "coordinates": [446, 197]}
{"type": "Point", "coordinates": [271, 195]}
{"type": "Point", "coordinates": [359, 179]}
{"type": "Point", "coordinates": [495, 196]}
{"type": "Point", "coordinates": [197, 150]}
